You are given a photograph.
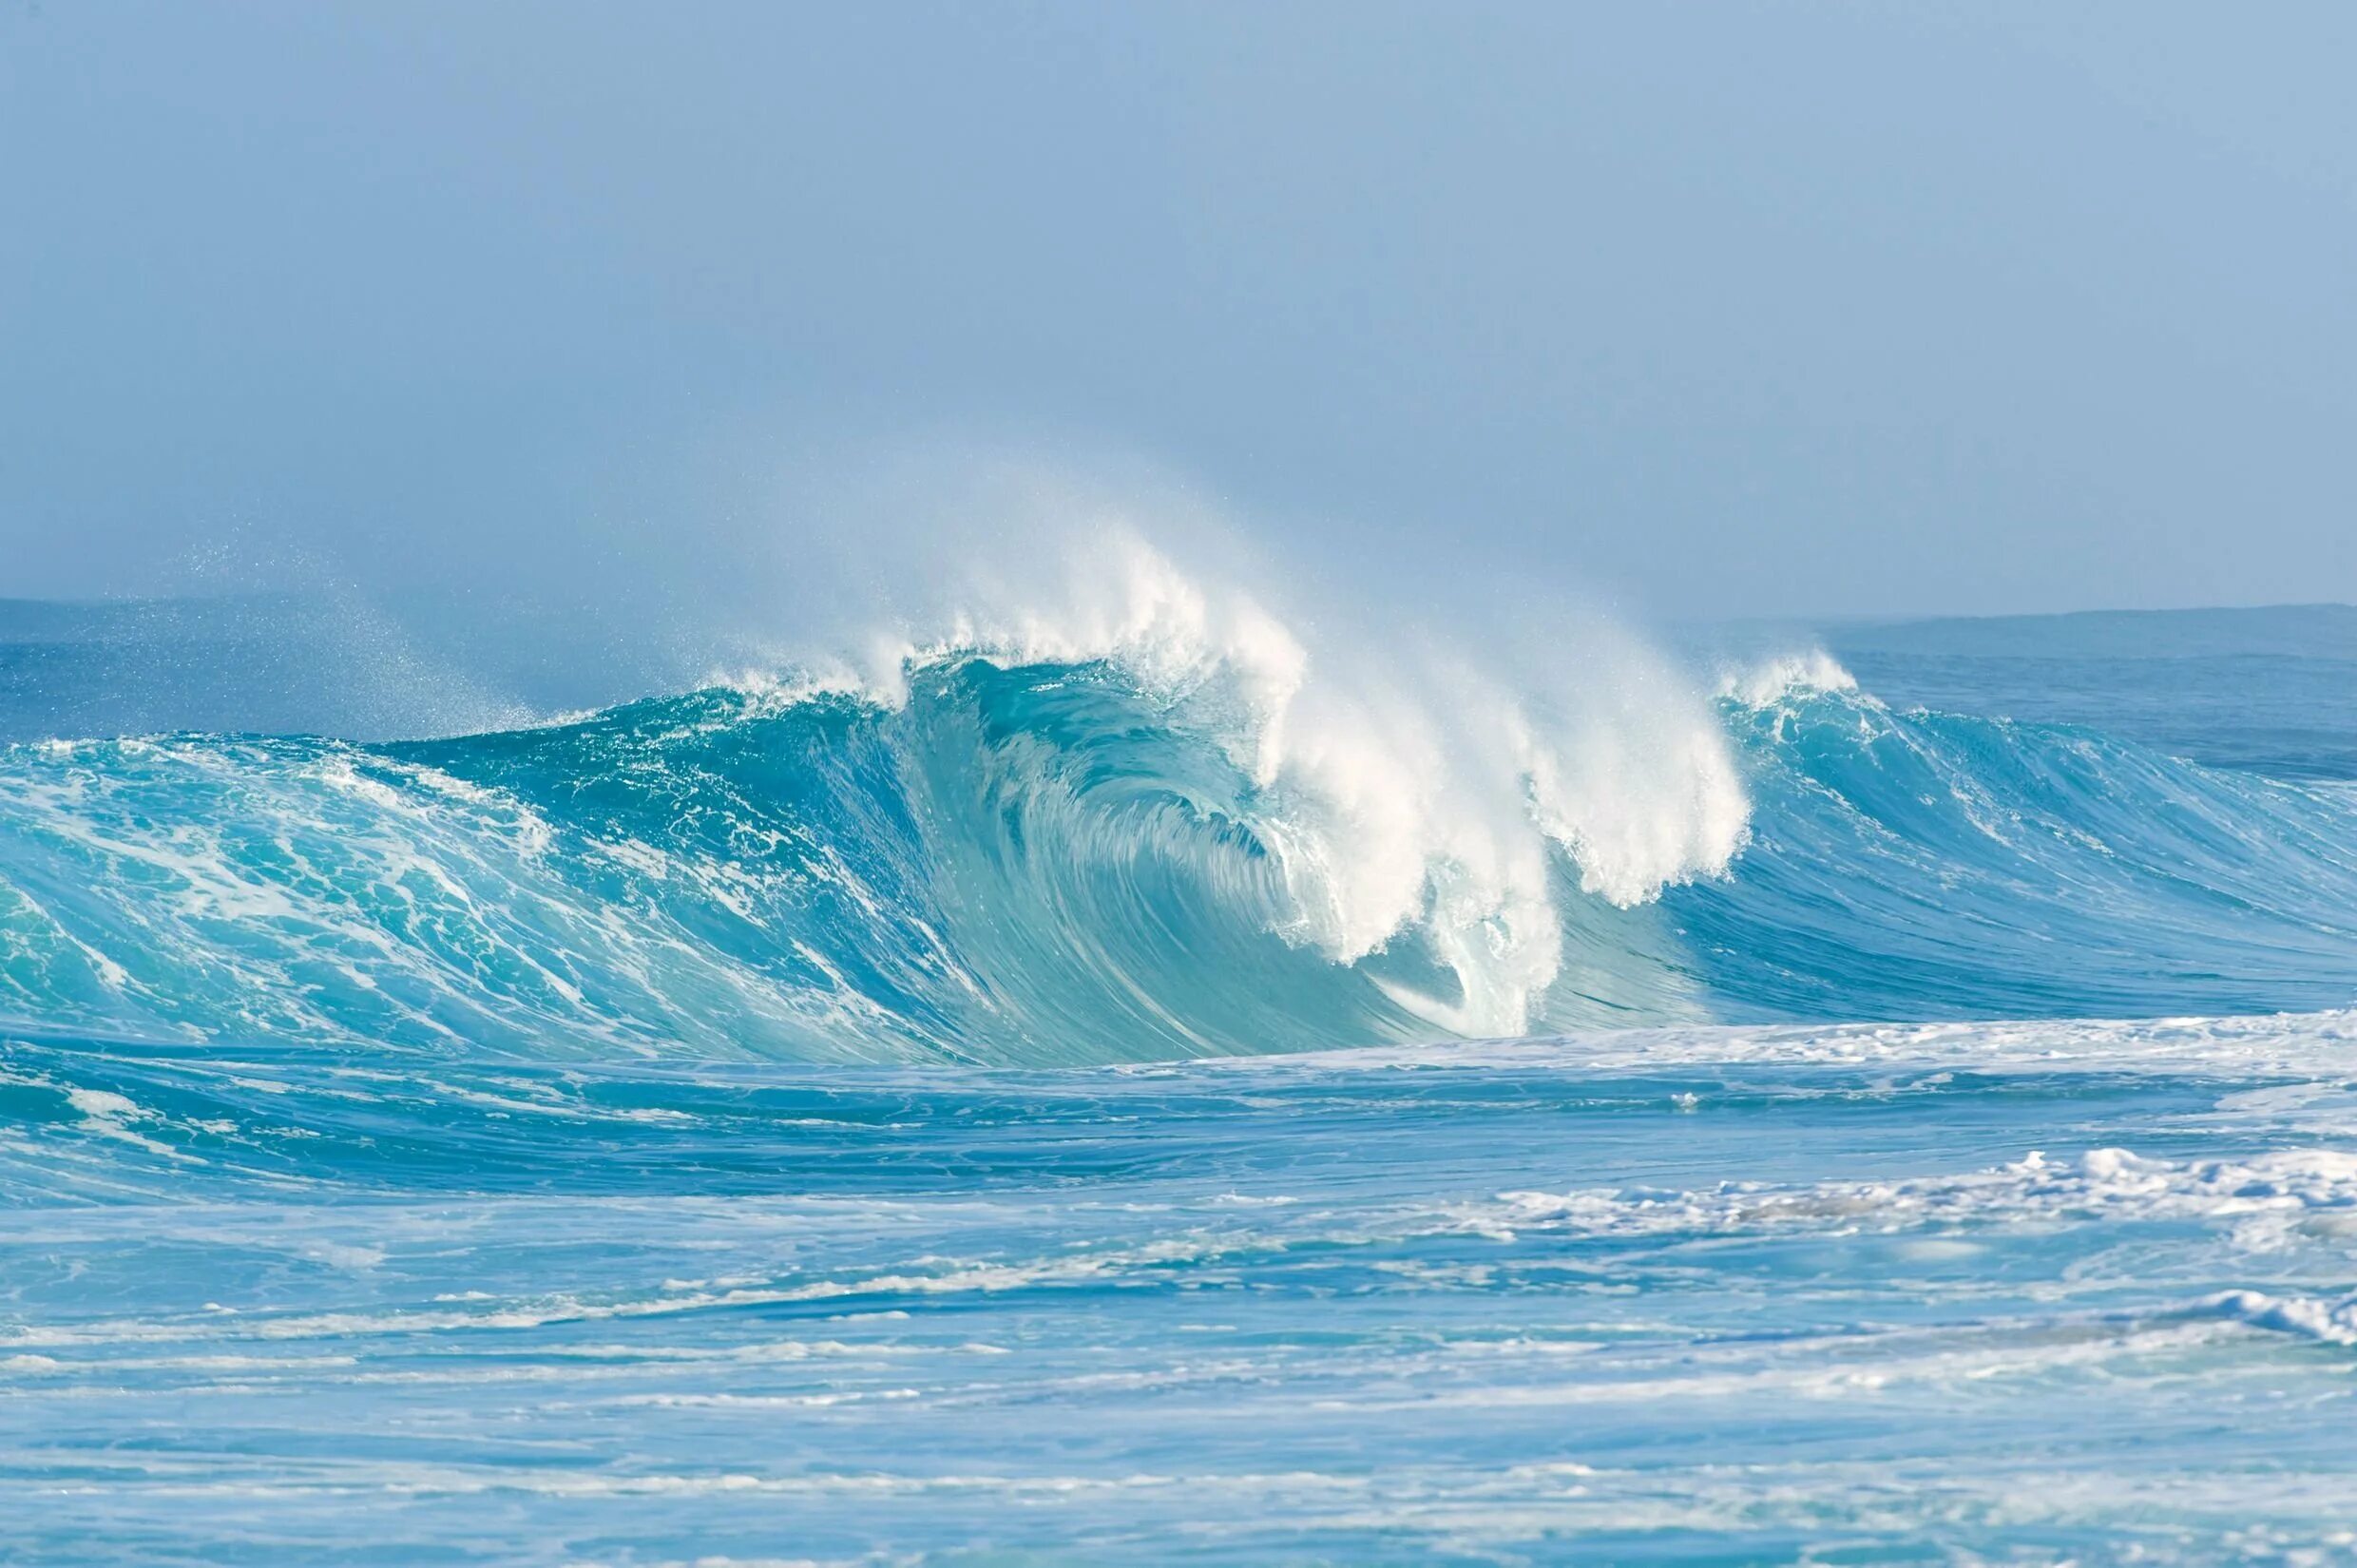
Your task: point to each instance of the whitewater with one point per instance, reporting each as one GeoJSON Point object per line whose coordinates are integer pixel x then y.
{"type": "Point", "coordinates": [1116, 1068]}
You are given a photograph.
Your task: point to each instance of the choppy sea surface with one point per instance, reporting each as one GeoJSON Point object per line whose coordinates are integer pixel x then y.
{"type": "Point", "coordinates": [1151, 1085]}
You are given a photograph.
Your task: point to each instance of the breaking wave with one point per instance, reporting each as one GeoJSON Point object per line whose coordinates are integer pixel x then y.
{"type": "Point", "coordinates": [1129, 813]}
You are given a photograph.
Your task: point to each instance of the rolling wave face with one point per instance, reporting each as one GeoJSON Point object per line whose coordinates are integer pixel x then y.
{"type": "Point", "coordinates": [1146, 834]}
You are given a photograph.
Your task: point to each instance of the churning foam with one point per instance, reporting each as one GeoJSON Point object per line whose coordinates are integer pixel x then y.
{"type": "Point", "coordinates": [1396, 783]}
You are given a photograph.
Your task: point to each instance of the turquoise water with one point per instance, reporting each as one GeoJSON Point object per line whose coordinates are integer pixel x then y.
{"type": "Point", "coordinates": [1026, 1115]}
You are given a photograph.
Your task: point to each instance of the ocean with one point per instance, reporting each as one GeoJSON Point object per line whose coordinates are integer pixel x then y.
{"type": "Point", "coordinates": [1144, 1079]}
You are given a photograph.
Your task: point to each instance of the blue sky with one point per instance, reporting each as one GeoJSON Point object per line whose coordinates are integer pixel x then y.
{"type": "Point", "coordinates": [1754, 309]}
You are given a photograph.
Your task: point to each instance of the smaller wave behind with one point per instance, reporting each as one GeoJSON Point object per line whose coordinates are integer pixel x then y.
{"type": "Point", "coordinates": [1925, 865]}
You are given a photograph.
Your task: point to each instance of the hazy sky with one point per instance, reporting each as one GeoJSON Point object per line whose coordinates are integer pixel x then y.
{"type": "Point", "coordinates": [1718, 308]}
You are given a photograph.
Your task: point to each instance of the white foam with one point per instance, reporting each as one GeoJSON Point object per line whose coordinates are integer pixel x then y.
{"type": "Point", "coordinates": [2333, 1321]}
{"type": "Point", "coordinates": [2265, 1202]}
{"type": "Point", "coordinates": [1765, 682]}
{"type": "Point", "coordinates": [1396, 785]}
{"type": "Point", "coordinates": [2291, 1045]}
